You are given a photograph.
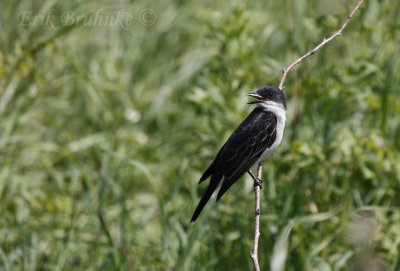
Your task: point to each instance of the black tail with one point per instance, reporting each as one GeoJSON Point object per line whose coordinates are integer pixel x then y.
{"type": "Point", "coordinates": [215, 180]}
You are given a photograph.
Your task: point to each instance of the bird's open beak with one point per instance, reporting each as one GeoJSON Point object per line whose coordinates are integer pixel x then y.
{"type": "Point", "coordinates": [255, 95]}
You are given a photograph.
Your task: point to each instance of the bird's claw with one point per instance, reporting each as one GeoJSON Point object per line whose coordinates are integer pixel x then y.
{"type": "Point", "coordinates": [258, 182]}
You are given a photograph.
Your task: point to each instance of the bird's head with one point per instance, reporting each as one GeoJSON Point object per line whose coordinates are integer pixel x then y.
{"type": "Point", "coordinates": [269, 96]}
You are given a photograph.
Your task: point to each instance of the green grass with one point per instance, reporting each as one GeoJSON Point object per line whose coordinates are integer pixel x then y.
{"type": "Point", "coordinates": [105, 131]}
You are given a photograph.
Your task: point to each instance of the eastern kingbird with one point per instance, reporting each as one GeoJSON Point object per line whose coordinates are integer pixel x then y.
{"type": "Point", "coordinates": [253, 141]}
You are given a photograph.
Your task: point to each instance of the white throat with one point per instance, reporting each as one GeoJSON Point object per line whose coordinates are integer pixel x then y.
{"type": "Point", "coordinates": [280, 113]}
{"type": "Point", "coordinates": [274, 107]}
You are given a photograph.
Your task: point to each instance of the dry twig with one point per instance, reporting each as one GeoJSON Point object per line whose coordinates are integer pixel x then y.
{"type": "Point", "coordinates": [319, 46]}
{"type": "Point", "coordinates": [254, 253]}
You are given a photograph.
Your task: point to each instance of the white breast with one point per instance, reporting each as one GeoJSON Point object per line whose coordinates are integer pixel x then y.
{"type": "Point", "coordinates": [280, 113]}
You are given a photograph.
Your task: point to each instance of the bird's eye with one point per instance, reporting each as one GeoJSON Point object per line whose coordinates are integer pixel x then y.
{"type": "Point", "coordinates": [270, 95]}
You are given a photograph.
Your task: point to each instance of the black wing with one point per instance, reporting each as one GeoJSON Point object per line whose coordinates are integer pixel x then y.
{"type": "Point", "coordinates": [256, 133]}
{"type": "Point", "coordinates": [245, 146]}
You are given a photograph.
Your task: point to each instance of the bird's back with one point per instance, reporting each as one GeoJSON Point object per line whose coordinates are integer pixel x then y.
{"type": "Point", "coordinates": [244, 147]}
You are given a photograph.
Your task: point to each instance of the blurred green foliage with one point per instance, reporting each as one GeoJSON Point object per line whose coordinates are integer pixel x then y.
{"type": "Point", "coordinates": [105, 131]}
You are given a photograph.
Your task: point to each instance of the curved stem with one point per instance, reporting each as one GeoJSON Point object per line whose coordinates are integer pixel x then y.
{"type": "Point", "coordinates": [319, 46]}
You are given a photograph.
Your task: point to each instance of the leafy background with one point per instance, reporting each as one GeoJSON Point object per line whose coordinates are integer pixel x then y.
{"type": "Point", "coordinates": [105, 131]}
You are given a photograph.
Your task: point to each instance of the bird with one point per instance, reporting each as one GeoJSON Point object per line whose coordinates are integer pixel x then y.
{"type": "Point", "coordinates": [253, 141]}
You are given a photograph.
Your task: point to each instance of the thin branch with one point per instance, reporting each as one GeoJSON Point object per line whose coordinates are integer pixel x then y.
{"type": "Point", "coordinates": [254, 253]}
{"type": "Point", "coordinates": [322, 44]}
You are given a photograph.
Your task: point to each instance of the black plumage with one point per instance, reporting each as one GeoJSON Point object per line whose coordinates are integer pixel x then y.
{"type": "Point", "coordinates": [243, 148]}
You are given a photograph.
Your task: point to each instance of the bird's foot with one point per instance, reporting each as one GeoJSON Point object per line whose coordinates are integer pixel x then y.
{"type": "Point", "coordinates": [258, 182]}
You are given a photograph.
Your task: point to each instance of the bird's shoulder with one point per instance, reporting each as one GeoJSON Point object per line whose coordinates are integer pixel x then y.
{"type": "Point", "coordinates": [256, 133]}
{"type": "Point", "coordinates": [258, 121]}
